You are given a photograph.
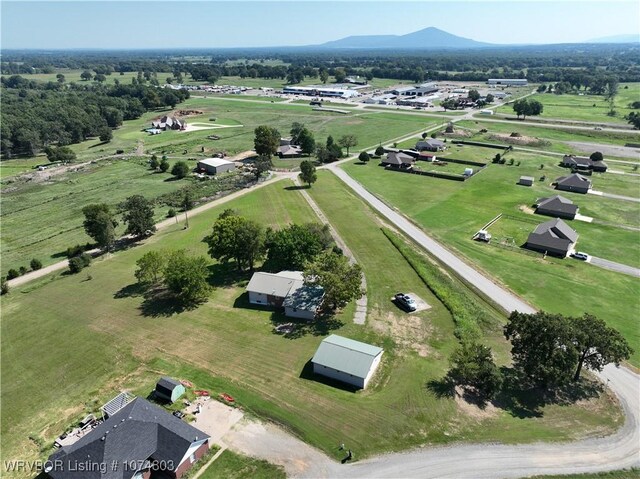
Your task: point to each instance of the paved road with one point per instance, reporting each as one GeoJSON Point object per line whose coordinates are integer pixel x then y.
{"type": "Point", "coordinates": [620, 197]}
{"type": "Point", "coordinates": [613, 266]}
{"type": "Point", "coordinates": [503, 298]}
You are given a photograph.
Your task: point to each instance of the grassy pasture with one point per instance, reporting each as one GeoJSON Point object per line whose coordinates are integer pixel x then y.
{"type": "Point", "coordinates": [231, 465]}
{"type": "Point", "coordinates": [592, 108]}
{"type": "Point", "coordinates": [111, 338]}
{"type": "Point", "coordinates": [453, 212]}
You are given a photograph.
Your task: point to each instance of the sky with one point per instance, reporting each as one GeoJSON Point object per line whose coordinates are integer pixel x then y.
{"type": "Point", "coordinates": [167, 24]}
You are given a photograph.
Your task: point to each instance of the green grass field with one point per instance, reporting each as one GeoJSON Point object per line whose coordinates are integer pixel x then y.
{"type": "Point", "coordinates": [96, 336]}
{"type": "Point", "coordinates": [591, 108]}
{"type": "Point", "coordinates": [61, 200]}
{"type": "Point", "coordinates": [453, 212]}
{"type": "Point", "coordinates": [231, 465]}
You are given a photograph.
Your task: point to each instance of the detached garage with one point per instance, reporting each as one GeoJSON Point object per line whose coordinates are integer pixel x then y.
{"type": "Point", "coordinates": [346, 360]}
{"type": "Point", "coordinates": [214, 166]}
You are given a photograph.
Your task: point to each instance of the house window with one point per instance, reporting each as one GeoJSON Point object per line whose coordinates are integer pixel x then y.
{"type": "Point", "coordinates": [192, 458]}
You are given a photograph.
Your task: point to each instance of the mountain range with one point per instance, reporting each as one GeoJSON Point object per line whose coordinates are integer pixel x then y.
{"type": "Point", "coordinates": [433, 38]}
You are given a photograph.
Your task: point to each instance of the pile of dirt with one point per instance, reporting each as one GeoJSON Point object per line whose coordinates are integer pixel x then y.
{"type": "Point", "coordinates": [457, 134]}
{"type": "Point", "coordinates": [519, 140]}
{"type": "Point", "coordinates": [188, 112]}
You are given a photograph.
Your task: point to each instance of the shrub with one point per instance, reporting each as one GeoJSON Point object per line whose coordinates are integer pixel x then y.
{"type": "Point", "coordinates": [171, 213]}
{"type": "Point", "coordinates": [35, 264]}
{"type": "Point", "coordinates": [379, 151]}
{"type": "Point", "coordinates": [510, 161]}
{"type": "Point", "coordinates": [434, 135]}
{"type": "Point", "coordinates": [78, 263]}
{"type": "Point", "coordinates": [4, 287]}
{"type": "Point", "coordinates": [23, 270]}
{"type": "Point", "coordinates": [73, 251]}
{"type": "Point", "coordinates": [12, 273]}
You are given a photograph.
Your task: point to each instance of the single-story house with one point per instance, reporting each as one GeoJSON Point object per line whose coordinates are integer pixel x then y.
{"type": "Point", "coordinates": [286, 289]}
{"type": "Point", "coordinates": [285, 141]}
{"type": "Point", "coordinates": [430, 145]}
{"type": "Point", "coordinates": [303, 302]}
{"type": "Point", "coordinates": [346, 360]}
{"type": "Point", "coordinates": [574, 182]}
{"type": "Point", "coordinates": [130, 444]}
{"type": "Point", "coordinates": [557, 206]}
{"type": "Point", "coordinates": [168, 389]}
{"type": "Point", "coordinates": [214, 166]}
{"type": "Point", "coordinates": [169, 123]}
{"type": "Point", "coordinates": [552, 237]}
{"type": "Point", "coordinates": [289, 151]}
{"type": "Point", "coordinates": [397, 160]}
{"type": "Point", "coordinates": [583, 163]}
{"type": "Point", "coordinates": [526, 180]}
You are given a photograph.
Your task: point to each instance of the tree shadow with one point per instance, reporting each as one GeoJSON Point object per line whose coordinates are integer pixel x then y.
{"type": "Point", "coordinates": [524, 401]}
{"type": "Point", "coordinates": [308, 374]}
{"type": "Point", "coordinates": [162, 304]}
{"type": "Point", "coordinates": [171, 179]}
{"type": "Point", "coordinates": [223, 275]}
{"type": "Point", "coordinates": [322, 325]}
{"type": "Point", "coordinates": [132, 290]}
{"type": "Point", "coordinates": [441, 388]}
{"type": "Point", "coordinates": [296, 187]}
{"type": "Point", "coordinates": [102, 143]}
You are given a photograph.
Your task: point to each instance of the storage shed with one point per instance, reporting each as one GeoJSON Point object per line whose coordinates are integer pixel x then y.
{"type": "Point", "coordinates": [214, 166]}
{"type": "Point", "coordinates": [347, 360]}
{"type": "Point", "coordinates": [526, 180]}
{"type": "Point", "coordinates": [303, 302]}
{"type": "Point", "coordinates": [168, 389]}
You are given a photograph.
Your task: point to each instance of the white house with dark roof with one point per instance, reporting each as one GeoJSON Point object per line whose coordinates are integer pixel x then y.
{"type": "Point", "coordinates": [135, 441]}
{"type": "Point", "coordinates": [286, 289]}
{"type": "Point", "coordinates": [347, 360]}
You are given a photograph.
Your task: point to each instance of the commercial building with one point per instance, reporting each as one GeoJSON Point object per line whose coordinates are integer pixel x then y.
{"type": "Point", "coordinates": [508, 81]}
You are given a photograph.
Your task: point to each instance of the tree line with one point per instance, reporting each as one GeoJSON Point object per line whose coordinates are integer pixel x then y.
{"type": "Point", "coordinates": [36, 115]}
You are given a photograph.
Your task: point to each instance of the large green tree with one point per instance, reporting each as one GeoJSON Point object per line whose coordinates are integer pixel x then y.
{"type": "Point", "coordinates": [267, 140]}
{"type": "Point", "coordinates": [186, 277]}
{"type": "Point", "coordinates": [261, 165]}
{"type": "Point", "coordinates": [138, 215]}
{"type": "Point", "coordinates": [342, 281]}
{"type": "Point", "coordinates": [472, 365]}
{"type": "Point", "coordinates": [527, 107]}
{"type": "Point", "coordinates": [597, 344]}
{"type": "Point", "coordinates": [306, 141]}
{"type": "Point", "coordinates": [180, 169]}
{"type": "Point", "coordinates": [100, 223]}
{"type": "Point", "coordinates": [151, 267]}
{"type": "Point", "coordinates": [236, 238]}
{"type": "Point", "coordinates": [293, 247]}
{"type": "Point", "coordinates": [347, 141]}
{"type": "Point", "coordinates": [308, 172]}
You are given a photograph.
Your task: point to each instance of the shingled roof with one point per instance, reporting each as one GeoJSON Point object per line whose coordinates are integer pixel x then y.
{"type": "Point", "coordinates": [557, 204]}
{"type": "Point", "coordinates": [552, 235]}
{"type": "Point", "coordinates": [138, 432]}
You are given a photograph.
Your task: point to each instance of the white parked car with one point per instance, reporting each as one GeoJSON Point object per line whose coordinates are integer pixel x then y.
{"type": "Point", "coordinates": [581, 256]}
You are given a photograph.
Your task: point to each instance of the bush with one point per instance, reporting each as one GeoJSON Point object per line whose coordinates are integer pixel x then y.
{"type": "Point", "coordinates": [379, 151]}
{"type": "Point", "coordinates": [171, 213]}
{"type": "Point", "coordinates": [78, 263]}
{"type": "Point", "coordinates": [4, 287]}
{"type": "Point", "coordinates": [23, 270]}
{"type": "Point", "coordinates": [434, 135]}
{"type": "Point", "coordinates": [180, 169]}
{"type": "Point", "coordinates": [73, 251]}
{"type": "Point", "coordinates": [35, 264]}
{"type": "Point", "coordinates": [12, 273]}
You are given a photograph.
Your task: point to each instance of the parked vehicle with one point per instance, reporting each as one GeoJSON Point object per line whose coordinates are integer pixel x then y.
{"type": "Point", "coordinates": [406, 302]}
{"type": "Point", "coordinates": [581, 256]}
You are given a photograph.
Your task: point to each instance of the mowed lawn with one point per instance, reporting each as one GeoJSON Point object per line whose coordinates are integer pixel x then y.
{"type": "Point", "coordinates": [231, 465]}
{"type": "Point", "coordinates": [591, 108]}
{"type": "Point", "coordinates": [453, 211]}
{"type": "Point", "coordinates": [87, 337]}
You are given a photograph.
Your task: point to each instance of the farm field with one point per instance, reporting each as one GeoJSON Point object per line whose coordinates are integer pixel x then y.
{"type": "Point", "coordinates": [41, 220]}
{"type": "Point", "coordinates": [553, 139]}
{"type": "Point", "coordinates": [17, 166]}
{"type": "Point", "coordinates": [591, 108]}
{"type": "Point", "coordinates": [26, 237]}
{"type": "Point", "coordinates": [111, 338]}
{"type": "Point", "coordinates": [74, 76]}
{"type": "Point", "coordinates": [552, 284]}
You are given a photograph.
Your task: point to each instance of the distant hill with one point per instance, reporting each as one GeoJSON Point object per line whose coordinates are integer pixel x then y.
{"type": "Point", "coordinates": [428, 38]}
{"type": "Point", "coordinates": [631, 38]}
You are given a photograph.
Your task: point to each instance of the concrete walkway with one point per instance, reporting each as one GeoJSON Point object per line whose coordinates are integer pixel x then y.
{"type": "Point", "coordinates": [360, 315]}
{"type": "Point", "coordinates": [617, 267]}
